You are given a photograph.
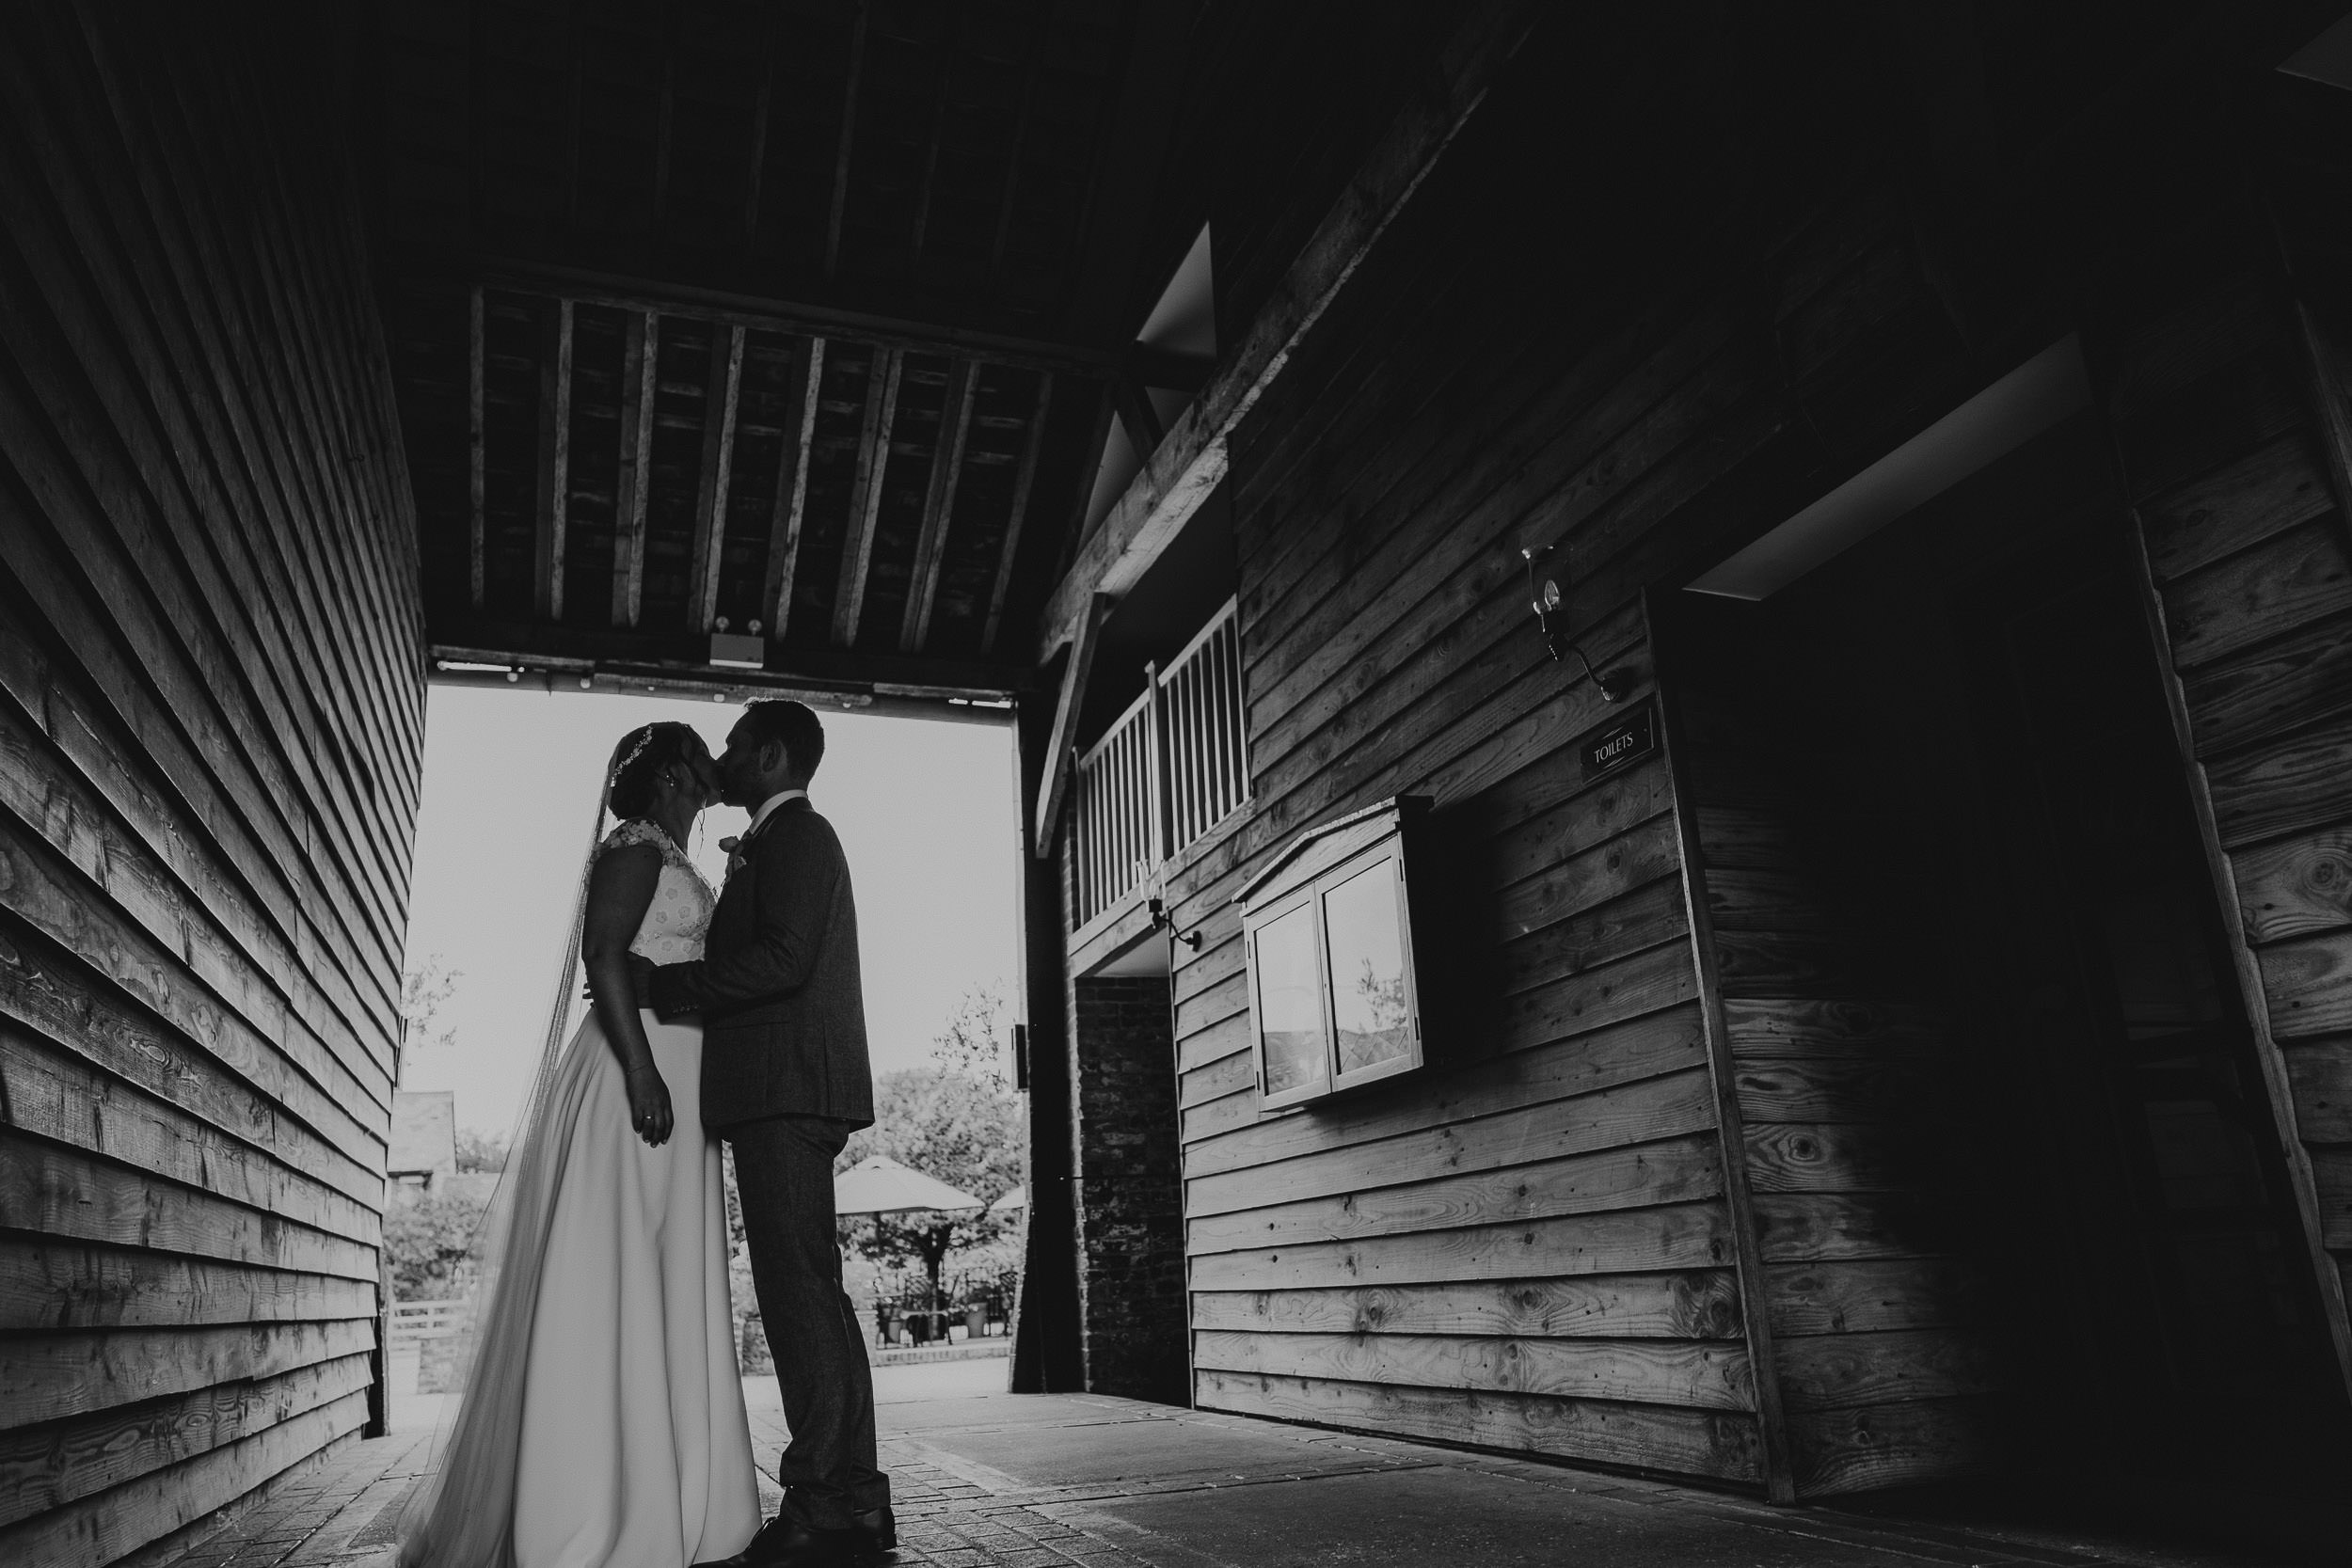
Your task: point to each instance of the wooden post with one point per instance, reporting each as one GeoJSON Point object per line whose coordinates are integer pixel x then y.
{"type": "Point", "coordinates": [1731, 1127]}
{"type": "Point", "coordinates": [1045, 1349]}
{"type": "Point", "coordinates": [1073, 695]}
{"type": "Point", "coordinates": [1157, 766]}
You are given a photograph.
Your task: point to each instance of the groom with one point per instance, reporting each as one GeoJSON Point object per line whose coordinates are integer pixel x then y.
{"type": "Point", "coordinates": [785, 1080]}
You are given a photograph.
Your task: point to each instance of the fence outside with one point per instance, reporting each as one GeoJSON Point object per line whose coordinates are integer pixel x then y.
{"type": "Point", "coordinates": [1171, 768]}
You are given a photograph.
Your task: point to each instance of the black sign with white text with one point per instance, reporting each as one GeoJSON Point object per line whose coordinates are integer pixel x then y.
{"type": "Point", "coordinates": [1619, 745]}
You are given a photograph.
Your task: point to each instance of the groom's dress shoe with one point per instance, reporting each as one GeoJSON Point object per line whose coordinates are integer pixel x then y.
{"type": "Point", "coordinates": [785, 1542]}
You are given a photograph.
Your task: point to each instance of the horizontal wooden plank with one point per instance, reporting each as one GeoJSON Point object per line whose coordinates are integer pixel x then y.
{"type": "Point", "coordinates": [2285, 583]}
{"type": "Point", "coordinates": [57, 1096]}
{"type": "Point", "coordinates": [1225, 999]}
{"type": "Point", "coordinates": [1607, 870]}
{"type": "Point", "coordinates": [2214, 420]}
{"type": "Point", "coordinates": [1876, 1295]}
{"type": "Point", "coordinates": [1653, 915]}
{"type": "Point", "coordinates": [49, 1466]}
{"type": "Point", "coordinates": [1698, 1374]}
{"type": "Point", "coordinates": [2269, 491]}
{"type": "Point", "coordinates": [54, 1283]}
{"type": "Point", "coordinates": [1700, 1304]}
{"type": "Point", "coordinates": [2289, 786]}
{"type": "Point", "coordinates": [2279, 687]}
{"type": "Point", "coordinates": [2319, 1076]}
{"type": "Point", "coordinates": [1221, 1076]}
{"type": "Point", "coordinates": [118, 1521]}
{"type": "Point", "coordinates": [1636, 1113]}
{"type": "Point", "coordinates": [2331, 1181]}
{"type": "Point", "coordinates": [47, 1377]}
{"type": "Point", "coordinates": [1835, 1371]}
{"type": "Point", "coordinates": [1735, 837]}
{"type": "Point", "coordinates": [1717, 1444]}
{"type": "Point", "coordinates": [37, 889]}
{"type": "Point", "coordinates": [47, 993]}
{"type": "Point", "coordinates": [1834, 1452]}
{"type": "Point", "coordinates": [1678, 1236]}
{"type": "Point", "coordinates": [1214, 1117]}
{"type": "Point", "coordinates": [1808, 1029]}
{"type": "Point", "coordinates": [1213, 1042]}
{"type": "Point", "coordinates": [63, 1192]}
{"type": "Point", "coordinates": [1651, 981]}
{"type": "Point", "coordinates": [2295, 887]}
{"type": "Point", "coordinates": [1870, 1092]}
{"type": "Point", "coordinates": [1621, 1053]}
{"type": "Point", "coordinates": [2307, 982]}
{"type": "Point", "coordinates": [1674, 1171]}
{"type": "Point", "coordinates": [1586, 817]}
{"type": "Point", "coordinates": [1811, 1227]}
{"type": "Point", "coordinates": [1832, 1157]}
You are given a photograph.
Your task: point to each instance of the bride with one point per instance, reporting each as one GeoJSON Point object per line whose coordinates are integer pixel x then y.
{"type": "Point", "coordinates": [602, 1420]}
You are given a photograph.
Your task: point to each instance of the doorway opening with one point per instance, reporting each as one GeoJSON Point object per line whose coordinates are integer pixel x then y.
{"type": "Point", "coordinates": [1937, 783]}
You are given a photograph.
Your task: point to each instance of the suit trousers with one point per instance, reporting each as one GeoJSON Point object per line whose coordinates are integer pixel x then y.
{"type": "Point", "coordinates": [784, 1174]}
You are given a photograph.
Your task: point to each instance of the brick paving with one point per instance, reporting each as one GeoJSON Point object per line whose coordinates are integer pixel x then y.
{"type": "Point", "coordinates": [985, 1480]}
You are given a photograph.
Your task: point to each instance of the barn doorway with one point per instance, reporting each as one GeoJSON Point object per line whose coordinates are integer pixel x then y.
{"type": "Point", "coordinates": [1956, 734]}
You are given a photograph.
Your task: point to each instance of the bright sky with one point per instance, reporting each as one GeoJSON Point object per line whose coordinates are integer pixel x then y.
{"type": "Point", "coordinates": [924, 810]}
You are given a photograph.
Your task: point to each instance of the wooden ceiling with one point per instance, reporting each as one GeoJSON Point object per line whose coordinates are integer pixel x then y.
{"type": "Point", "coordinates": [801, 316]}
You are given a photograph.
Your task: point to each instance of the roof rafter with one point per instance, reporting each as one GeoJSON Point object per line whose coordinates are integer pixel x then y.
{"type": "Point", "coordinates": [711, 488]}
{"type": "Point", "coordinates": [791, 504]}
{"type": "Point", "coordinates": [555, 459]}
{"type": "Point", "coordinates": [939, 501]}
{"type": "Point", "coordinates": [1023, 483]}
{"type": "Point", "coordinates": [641, 348]}
{"type": "Point", "coordinates": [866, 495]}
{"type": "Point", "coordinates": [1189, 463]}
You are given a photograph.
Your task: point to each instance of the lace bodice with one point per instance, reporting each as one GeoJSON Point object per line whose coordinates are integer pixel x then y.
{"type": "Point", "coordinates": [679, 916]}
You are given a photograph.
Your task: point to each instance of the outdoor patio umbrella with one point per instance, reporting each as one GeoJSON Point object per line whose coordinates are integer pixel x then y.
{"type": "Point", "coordinates": [1012, 1203]}
{"type": "Point", "coordinates": [883, 1186]}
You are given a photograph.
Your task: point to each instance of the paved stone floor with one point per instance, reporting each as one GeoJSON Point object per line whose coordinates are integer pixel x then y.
{"type": "Point", "coordinates": [987, 1480]}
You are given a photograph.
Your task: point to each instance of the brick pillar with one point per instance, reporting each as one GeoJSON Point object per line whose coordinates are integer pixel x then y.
{"type": "Point", "coordinates": [1128, 1191]}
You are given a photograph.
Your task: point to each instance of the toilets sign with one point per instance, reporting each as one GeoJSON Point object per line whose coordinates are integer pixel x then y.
{"type": "Point", "coordinates": [1618, 746]}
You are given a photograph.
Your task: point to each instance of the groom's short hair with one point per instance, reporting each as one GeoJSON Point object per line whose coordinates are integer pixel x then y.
{"type": "Point", "coordinates": [793, 725]}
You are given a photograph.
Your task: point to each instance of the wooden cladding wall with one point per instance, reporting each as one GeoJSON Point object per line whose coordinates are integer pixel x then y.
{"type": "Point", "coordinates": [2222, 381]}
{"type": "Point", "coordinates": [210, 717]}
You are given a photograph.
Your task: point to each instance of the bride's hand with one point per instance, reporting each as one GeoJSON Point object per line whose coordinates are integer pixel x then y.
{"type": "Point", "coordinates": [649, 1114]}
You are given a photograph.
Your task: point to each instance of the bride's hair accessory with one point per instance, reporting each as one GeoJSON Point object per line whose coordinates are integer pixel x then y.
{"type": "Point", "coordinates": [636, 750]}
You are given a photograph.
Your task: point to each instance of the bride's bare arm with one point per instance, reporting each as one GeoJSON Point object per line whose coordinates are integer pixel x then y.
{"type": "Point", "coordinates": [619, 891]}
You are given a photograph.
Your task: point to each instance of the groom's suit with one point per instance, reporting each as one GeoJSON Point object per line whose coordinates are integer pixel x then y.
{"type": "Point", "coordinates": [784, 1081]}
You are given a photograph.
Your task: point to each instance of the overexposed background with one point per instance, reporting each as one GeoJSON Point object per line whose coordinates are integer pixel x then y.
{"type": "Point", "coordinates": [925, 809]}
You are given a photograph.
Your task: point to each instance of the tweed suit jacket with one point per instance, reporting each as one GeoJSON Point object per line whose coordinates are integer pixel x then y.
{"type": "Point", "coordinates": [777, 986]}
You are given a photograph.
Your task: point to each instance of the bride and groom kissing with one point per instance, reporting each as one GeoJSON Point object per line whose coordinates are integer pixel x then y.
{"type": "Point", "coordinates": [602, 1421]}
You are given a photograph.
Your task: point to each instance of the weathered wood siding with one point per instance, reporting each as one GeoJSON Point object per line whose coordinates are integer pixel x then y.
{"type": "Point", "coordinates": [2222, 378]}
{"type": "Point", "coordinates": [211, 710]}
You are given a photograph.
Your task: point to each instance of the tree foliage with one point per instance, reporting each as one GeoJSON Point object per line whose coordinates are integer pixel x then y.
{"type": "Point", "coordinates": [424, 990]}
{"type": "Point", "coordinates": [430, 1240]}
{"type": "Point", "coordinates": [957, 1119]}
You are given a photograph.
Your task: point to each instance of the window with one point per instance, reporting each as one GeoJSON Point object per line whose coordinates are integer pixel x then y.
{"type": "Point", "coordinates": [1333, 997]}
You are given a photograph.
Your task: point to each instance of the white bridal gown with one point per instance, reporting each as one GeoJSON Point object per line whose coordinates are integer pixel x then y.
{"type": "Point", "coordinates": [609, 1393]}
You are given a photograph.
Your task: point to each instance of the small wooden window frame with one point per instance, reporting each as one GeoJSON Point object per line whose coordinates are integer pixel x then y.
{"type": "Point", "coordinates": [1276, 895]}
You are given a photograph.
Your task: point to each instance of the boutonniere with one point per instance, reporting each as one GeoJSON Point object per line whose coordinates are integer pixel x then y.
{"type": "Point", "coordinates": [734, 847]}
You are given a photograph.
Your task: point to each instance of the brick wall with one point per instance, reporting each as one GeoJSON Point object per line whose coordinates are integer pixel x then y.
{"type": "Point", "coordinates": [1128, 1191]}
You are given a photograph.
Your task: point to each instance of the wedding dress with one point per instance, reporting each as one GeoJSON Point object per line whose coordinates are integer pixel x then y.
{"type": "Point", "coordinates": [603, 1423]}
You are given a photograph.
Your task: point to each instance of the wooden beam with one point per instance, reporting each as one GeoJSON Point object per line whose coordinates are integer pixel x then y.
{"type": "Point", "coordinates": [791, 504]}
{"type": "Point", "coordinates": [1023, 486]}
{"type": "Point", "coordinates": [1191, 461]}
{"type": "Point", "coordinates": [1073, 532]}
{"type": "Point", "coordinates": [1142, 422]}
{"type": "Point", "coordinates": [641, 350]}
{"type": "Point", "coordinates": [938, 127]}
{"type": "Point", "coordinates": [711, 488]}
{"type": "Point", "coordinates": [474, 439]}
{"type": "Point", "coordinates": [1066, 709]}
{"type": "Point", "coordinates": [555, 658]}
{"type": "Point", "coordinates": [769, 28]}
{"type": "Point", "coordinates": [873, 464]}
{"type": "Point", "coordinates": [760, 313]}
{"type": "Point", "coordinates": [555, 459]}
{"type": "Point", "coordinates": [939, 503]}
{"type": "Point", "coordinates": [1035, 69]}
{"type": "Point", "coordinates": [840, 200]}
{"type": "Point", "coordinates": [588, 285]}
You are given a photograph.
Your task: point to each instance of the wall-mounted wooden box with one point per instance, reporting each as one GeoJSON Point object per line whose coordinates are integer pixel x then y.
{"type": "Point", "coordinates": [1333, 926]}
